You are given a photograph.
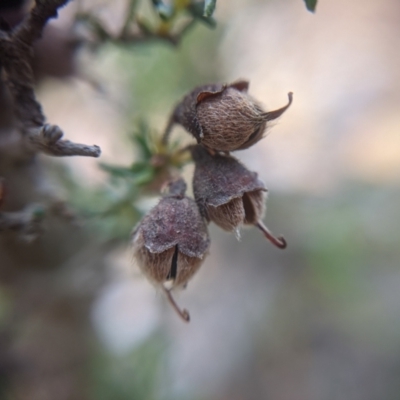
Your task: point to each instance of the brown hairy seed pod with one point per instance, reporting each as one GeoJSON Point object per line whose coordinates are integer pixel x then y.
{"type": "Point", "coordinates": [223, 117]}
{"type": "Point", "coordinates": [171, 242]}
{"type": "Point", "coordinates": [228, 194]}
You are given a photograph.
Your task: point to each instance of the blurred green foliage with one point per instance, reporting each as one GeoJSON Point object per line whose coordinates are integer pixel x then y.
{"type": "Point", "coordinates": [169, 23]}
{"type": "Point", "coordinates": [311, 5]}
{"type": "Point", "coordinates": [209, 7]}
{"type": "Point", "coordinates": [130, 376]}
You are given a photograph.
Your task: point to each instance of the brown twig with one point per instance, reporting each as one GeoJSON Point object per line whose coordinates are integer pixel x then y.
{"type": "Point", "coordinates": [47, 140]}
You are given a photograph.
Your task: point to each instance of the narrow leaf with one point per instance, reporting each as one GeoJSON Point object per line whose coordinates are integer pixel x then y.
{"type": "Point", "coordinates": [209, 7]}
{"type": "Point", "coordinates": [197, 11]}
{"type": "Point", "coordinates": [311, 4]}
{"type": "Point", "coordinates": [145, 176]}
{"type": "Point", "coordinates": [164, 11]}
{"type": "Point", "coordinates": [116, 171]}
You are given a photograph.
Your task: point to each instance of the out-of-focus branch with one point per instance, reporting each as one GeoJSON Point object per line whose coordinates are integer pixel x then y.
{"type": "Point", "coordinates": [27, 221]}
{"type": "Point", "coordinates": [16, 60]}
{"type": "Point", "coordinates": [142, 34]}
{"type": "Point", "coordinates": [175, 20]}
{"type": "Point", "coordinates": [32, 28]}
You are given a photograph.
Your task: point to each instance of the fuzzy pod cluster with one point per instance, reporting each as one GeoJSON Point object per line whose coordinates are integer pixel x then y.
{"type": "Point", "coordinates": [172, 240]}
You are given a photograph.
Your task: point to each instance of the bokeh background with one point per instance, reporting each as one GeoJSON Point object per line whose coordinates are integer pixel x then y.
{"type": "Point", "coordinates": [317, 321]}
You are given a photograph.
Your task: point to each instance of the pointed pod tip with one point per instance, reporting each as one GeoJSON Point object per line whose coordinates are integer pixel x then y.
{"type": "Point", "coordinates": [278, 241]}
{"type": "Point", "coordinates": [281, 242]}
{"type": "Point", "coordinates": [271, 115]}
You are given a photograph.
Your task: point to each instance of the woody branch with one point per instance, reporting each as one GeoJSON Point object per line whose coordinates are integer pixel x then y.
{"type": "Point", "coordinates": [16, 49]}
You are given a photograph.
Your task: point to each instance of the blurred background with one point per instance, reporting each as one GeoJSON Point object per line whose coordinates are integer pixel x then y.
{"type": "Point", "coordinates": [317, 321]}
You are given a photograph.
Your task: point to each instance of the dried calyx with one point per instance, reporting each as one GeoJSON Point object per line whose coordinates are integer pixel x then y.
{"type": "Point", "coordinates": [228, 194]}
{"type": "Point", "coordinates": [224, 117]}
{"type": "Point", "coordinates": [171, 242]}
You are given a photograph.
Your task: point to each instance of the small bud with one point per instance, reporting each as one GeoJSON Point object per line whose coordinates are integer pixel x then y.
{"type": "Point", "coordinates": [224, 117]}
{"type": "Point", "coordinates": [228, 194]}
{"type": "Point", "coordinates": [171, 241]}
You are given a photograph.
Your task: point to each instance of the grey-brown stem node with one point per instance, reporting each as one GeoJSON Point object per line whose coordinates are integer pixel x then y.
{"type": "Point", "coordinates": [51, 133]}
{"type": "Point", "coordinates": [279, 241]}
{"type": "Point", "coordinates": [183, 313]}
{"type": "Point", "coordinates": [271, 115]}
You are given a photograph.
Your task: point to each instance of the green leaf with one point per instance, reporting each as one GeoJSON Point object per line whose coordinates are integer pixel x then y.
{"type": "Point", "coordinates": [138, 167]}
{"type": "Point", "coordinates": [116, 171]}
{"type": "Point", "coordinates": [135, 171]}
{"type": "Point", "coordinates": [145, 176]}
{"type": "Point", "coordinates": [142, 141]}
{"type": "Point", "coordinates": [311, 4]}
{"type": "Point", "coordinates": [164, 11]}
{"type": "Point", "coordinates": [209, 7]}
{"type": "Point", "coordinates": [197, 12]}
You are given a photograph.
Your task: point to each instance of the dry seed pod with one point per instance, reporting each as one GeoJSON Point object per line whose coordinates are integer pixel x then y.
{"type": "Point", "coordinates": [228, 194]}
{"type": "Point", "coordinates": [224, 117]}
{"type": "Point", "coordinates": [171, 241]}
